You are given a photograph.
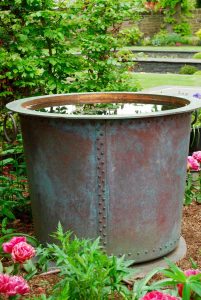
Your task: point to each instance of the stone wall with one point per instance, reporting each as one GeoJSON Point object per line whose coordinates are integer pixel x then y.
{"type": "Point", "coordinates": [151, 23]}
{"type": "Point", "coordinates": [195, 20]}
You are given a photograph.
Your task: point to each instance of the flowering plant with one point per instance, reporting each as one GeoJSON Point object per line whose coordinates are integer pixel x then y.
{"type": "Point", "coordinates": [193, 186]}
{"type": "Point", "coordinates": [178, 283]}
{"type": "Point", "coordinates": [21, 252]}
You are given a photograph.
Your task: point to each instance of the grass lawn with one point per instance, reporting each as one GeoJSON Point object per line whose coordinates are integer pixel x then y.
{"type": "Point", "coordinates": [149, 80]}
{"type": "Point", "coordinates": [166, 48]}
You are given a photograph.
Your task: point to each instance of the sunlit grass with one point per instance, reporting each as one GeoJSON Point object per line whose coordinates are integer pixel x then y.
{"type": "Point", "coordinates": [149, 80]}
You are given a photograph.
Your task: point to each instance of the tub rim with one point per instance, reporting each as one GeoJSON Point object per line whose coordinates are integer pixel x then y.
{"type": "Point", "coordinates": [25, 106]}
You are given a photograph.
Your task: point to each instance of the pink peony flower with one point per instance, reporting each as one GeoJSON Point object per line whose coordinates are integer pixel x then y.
{"type": "Point", "coordinates": [193, 164]}
{"type": "Point", "coordinates": [22, 252]}
{"type": "Point", "coordinates": [13, 285]}
{"type": "Point", "coordinates": [17, 285]}
{"type": "Point", "coordinates": [187, 273]}
{"type": "Point", "coordinates": [155, 295]}
{"type": "Point", "coordinates": [4, 281]}
{"type": "Point", "coordinates": [8, 247]}
{"type": "Point", "coordinates": [197, 155]}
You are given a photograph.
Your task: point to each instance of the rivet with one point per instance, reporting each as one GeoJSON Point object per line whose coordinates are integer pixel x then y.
{"type": "Point", "coordinates": [98, 148]}
{"type": "Point", "coordinates": [99, 185]}
{"type": "Point", "coordinates": [103, 181]}
{"type": "Point", "coordinates": [100, 221]}
{"type": "Point", "coordinates": [99, 203]}
{"type": "Point", "coordinates": [153, 250]}
{"type": "Point", "coordinates": [104, 243]}
{"type": "Point", "coordinates": [101, 134]}
{"type": "Point", "coordinates": [100, 229]}
{"type": "Point", "coordinates": [102, 162]}
{"type": "Point", "coordinates": [129, 254]}
{"type": "Point", "coordinates": [98, 158]}
{"type": "Point", "coordinates": [103, 171]}
{"type": "Point", "coordinates": [102, 143]}
{"type": "Point", "coordinates": [160, 248]}
{"type": "Point", "coordinates": [138, 253]}
{"type": "Point", "coordinates": [104, 234]}
{"type": "Point", "coordinates": [100, 212]}
{"type": "Point", "coordinates": [104, 207]}
{"type": "Point", "coordinates": [104, 226]}
{"type": "Point", "coordinates": [102, 153]}
{"type": "Point", "coordinates": [104, 217]}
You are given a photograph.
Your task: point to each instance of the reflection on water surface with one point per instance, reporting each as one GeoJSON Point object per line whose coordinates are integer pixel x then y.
{"type": "Point", "coordinates": [107, 109]}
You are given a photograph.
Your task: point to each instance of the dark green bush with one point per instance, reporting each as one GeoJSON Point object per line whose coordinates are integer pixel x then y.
{"type": "Point", "coordinates": [188, 70]}
{"type": "Point", "coordinates": [198, 3]}
{"type": "Point", "coordinates": [182, 29]}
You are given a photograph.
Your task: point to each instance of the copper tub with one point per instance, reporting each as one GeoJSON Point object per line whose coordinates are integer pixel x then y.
{"type": "Point", "coordinates": [120, 177]}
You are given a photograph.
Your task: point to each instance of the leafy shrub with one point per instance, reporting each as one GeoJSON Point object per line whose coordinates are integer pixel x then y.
{"type": "Point", "coordinates": [192, 40]}
{"type": "Point", "coordinates": [163, 38]}
{"type": "Point", "coordinates": [197, 55]}
{"type": "Point", "coordinates": [14, 194]}
{"type": "Point", "coordinates": [87, 273]}
{"type": "Point", "coordinates": [197, 73]}
{"type": "Point", "coordinates": [125, 55]}
{"type": "Point", "coordinates": [198, 34]}
{"type": "Point", "coordinates": [198, 3]}
{"type": "Point", "coordinates": [188, 70]}
{"type": "Point", "coordinates": [46, 35]}
{"type": "Point", "coordinates": [182, 29]}
{"type": "Point", "coordinates": [131, 36]}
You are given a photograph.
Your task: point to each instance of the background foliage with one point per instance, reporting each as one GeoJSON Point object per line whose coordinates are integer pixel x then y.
{"type": "Point", "coordinates": [40, 40]}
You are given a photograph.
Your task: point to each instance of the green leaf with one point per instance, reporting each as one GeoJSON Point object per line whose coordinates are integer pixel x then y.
{"type": "Point", "coordinates": [196, 287]}
{"type": "Point", "coordinates": [9, 270]}
{"type": "Point", "coordinates": [186, 292]}
{"type": "Point", "coordinates": [1, 267]}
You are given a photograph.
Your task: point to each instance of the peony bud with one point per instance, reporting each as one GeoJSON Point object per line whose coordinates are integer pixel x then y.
{"type": "Point", "coordinates": [187, 273]}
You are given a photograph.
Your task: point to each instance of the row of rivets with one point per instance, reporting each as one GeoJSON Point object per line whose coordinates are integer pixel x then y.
{"type": "Point", "coordinates": [100, 149]}
{"type": "Point", "coordinates": [153, 250]}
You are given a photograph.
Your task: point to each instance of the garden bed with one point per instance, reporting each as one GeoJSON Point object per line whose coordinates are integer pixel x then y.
{"type": "Point", "coordinates": [190, 231]}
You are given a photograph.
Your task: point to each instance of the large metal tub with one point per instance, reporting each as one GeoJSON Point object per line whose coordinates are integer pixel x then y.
{"type": "Point", "coordinates": [118, 177]}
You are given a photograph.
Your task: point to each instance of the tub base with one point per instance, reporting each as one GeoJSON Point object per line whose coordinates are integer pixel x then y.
{"type": "Point", "coordinates": [174, 256]}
